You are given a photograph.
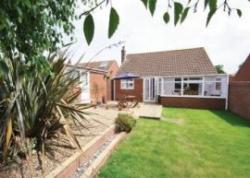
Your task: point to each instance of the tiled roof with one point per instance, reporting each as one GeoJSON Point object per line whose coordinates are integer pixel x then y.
{"type": "Point", "coordinates": [100, 65]}
{"type": "Point", "coordinates": [169, 63]}
{"type": "Point", "coordinates": [243, 72]}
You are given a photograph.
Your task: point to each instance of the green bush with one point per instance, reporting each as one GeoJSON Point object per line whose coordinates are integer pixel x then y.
{"type": "Point", "coordinates": [125, 122]}
{"type": "Point", "coordinates": [34, 106]}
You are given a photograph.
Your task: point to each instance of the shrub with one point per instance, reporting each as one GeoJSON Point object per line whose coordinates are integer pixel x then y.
{"type": "Point", "coordinates": [34, 106]}
{"type": "Point", "coordinates": [125, 122]}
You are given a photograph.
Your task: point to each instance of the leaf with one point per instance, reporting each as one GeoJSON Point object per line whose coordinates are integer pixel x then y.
{"type": "Point", "coordinates": [212, 4]}
{"type": "Point", "coordinates": [239, 12]}
{"type": "Point", "coordinates": [166, 17]}
{"type": "Point", "coordinates": [152, 5]}
{"type": "Point", "coordinates": [7, 139]}
{"type": "Point", "coordinates": [210, 15]}
{"type": "Point", "coordinates": [213, 7]}
{"type": "Point", "coordinates": [27, 3]}
{"type": "Point", "coordinates": [113, 22]}
{"type": "Point", "coordinates": [184, 14]}
{"type": "Point", "coordinates": [145, 2]}
{"type": "Point", "coordinates": [177, 11]}
{"type": "Point", "coordinates": [89, 28]}
{"type": "Point", "coordinates": [3, 68]}
{"type": "Point", "coordinates": [206, 4]}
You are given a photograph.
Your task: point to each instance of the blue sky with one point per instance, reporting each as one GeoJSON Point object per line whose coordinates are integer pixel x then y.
{"type": "Point", "coordinates": [226, 39]}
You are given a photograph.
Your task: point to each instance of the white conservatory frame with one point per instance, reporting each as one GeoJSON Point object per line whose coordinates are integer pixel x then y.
{"type": "Point", "coordinates": [205, 82]}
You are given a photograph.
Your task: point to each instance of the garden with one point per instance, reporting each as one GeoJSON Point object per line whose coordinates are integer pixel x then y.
{"type": "Point", "coordinates": [185, 143]}
{"type": "Point", "coordinates": [43, 122]}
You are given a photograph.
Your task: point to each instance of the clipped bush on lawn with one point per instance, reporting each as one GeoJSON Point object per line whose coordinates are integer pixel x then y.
{"type": "Point", "coordinates": [125, 122]}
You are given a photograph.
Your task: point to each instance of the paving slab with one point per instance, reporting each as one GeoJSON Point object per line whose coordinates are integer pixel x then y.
{"type": "Point", "coordinates": [142, 110]}
{"type": "Point", "coordinates": [149, 111]}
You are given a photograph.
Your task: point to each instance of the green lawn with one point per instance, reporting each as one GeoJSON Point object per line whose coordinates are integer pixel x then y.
{"type": "Point", "coordinates": [185, 143]}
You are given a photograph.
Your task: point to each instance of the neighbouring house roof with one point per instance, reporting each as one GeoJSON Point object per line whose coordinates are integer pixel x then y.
{"type": "Point", "coordinates": [100, 66]}
{"type": "Point", "coordinates": [169, 63]}
{"type": "Point", "coordinates": [243, 72]}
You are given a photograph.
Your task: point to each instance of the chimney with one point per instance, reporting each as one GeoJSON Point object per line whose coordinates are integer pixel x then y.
{"type": "Point", "coordinates": [123, 54]}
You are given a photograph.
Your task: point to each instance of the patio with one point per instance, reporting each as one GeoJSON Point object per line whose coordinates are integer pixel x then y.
{"type": "Point", "coordinates": [142, 110]}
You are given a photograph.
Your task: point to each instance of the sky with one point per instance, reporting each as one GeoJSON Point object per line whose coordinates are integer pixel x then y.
{"type": "Point", "coordinates": [226, 39]}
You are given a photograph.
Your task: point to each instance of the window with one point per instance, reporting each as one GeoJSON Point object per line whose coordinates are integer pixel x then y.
{"type": "Point", "coordinates": [193, 79]}
{"type": "Point", "coordinates": [218, 84]}
{"type": "Point", "coordinates": [84, 78]}
{"type": "Point", "coordinates": [192, 89]}
{"type": "Point", "coordinates": [205, 86]}
{"type": "Point", "coordinates": [192, 86]}
{"type": "Point", "coordinates": [127, 84]}
{"type": "Point", "coordinates": [213, 87]}
{"type": "Point", "coordinates": [159, 86]}
{"type": "Point", "coordinates": [177, 86]}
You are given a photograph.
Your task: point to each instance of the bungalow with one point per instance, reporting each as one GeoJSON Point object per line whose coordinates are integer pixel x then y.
{"type": "Point", "coordinates": [180, 78]}
{"type": "Point", "coordinates": [96, 80]}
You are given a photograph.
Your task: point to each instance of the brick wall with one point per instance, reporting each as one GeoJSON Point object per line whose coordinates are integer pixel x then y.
{"type": "Point", "coordinates": [137, 91]}
{"type": "Point", "coordinates": [113, 69]}
{"type": "Point", "coordinates": [98, 87]}
{"type": "Point", "coordinates": [187, 102]}
{"type": "Point", "coordinates": [239, 98]}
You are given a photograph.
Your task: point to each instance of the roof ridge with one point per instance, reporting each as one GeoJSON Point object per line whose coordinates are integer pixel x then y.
{"type": "Point", "coordinates": [110, 60]}
{"type": "Point", "coordinates": [175, 50]}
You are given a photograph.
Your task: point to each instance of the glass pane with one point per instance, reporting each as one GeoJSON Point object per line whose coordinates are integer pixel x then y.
{"type": "Point", "coordinates": [177, 79]}
{"type": "Point", "coordinates": [213, 89]}
{"type": "Point", "coordinates": [152, 89]}
{"type": "Point", "coordinates": [159, 86]}
{"type": "Point", "coordinates": [192, 89]}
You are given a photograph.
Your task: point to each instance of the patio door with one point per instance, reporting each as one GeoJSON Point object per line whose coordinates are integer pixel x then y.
{"type": "Point", "coordinates": [149, 89]}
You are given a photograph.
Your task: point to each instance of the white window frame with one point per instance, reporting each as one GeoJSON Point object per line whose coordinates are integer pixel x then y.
{"type": "Point", "coordinates": [190, 80]}
{"type": "Point", "coordinates": [201, 81]}
{"type": "Point", "coordinates": [127, 84]}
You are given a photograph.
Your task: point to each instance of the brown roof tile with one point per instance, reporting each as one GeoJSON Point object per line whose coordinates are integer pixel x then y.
{"type": "Point", "coordinates": [100, 65]}
{"type": "Point", "coordinates": [169, 63]}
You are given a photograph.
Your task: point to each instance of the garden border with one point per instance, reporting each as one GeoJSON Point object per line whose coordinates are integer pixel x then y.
{"type": "Point", "coordinates": [69, 166]}
{"type": "Point", "coordinates": [93, 170]}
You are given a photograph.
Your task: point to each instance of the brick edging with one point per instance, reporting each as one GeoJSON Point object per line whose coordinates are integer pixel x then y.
{"type": "Point", "coordinates": [69, 166]}
{"type": "Point", "coordinates": [95, 167]}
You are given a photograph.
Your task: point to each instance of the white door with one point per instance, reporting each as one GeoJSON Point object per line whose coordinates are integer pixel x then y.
{"type": "Point", "coordinates": [150, 89]}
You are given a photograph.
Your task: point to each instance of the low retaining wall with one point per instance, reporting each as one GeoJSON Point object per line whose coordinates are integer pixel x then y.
{"type": "Point", "coordinates": [68, 167]}
{"type": "Point", "coordinates": [95, 167]}
{"type": "Point", "coordinates": [239, 98]}
{"type": "Point", "coordinates": [188, 102]}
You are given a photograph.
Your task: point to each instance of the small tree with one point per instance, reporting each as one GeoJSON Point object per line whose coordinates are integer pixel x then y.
{"type": "Point", "coordinates": [220, 69]}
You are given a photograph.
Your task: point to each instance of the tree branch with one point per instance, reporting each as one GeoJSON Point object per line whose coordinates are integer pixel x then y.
{"type": "Point", "coordinates": [92, 9]}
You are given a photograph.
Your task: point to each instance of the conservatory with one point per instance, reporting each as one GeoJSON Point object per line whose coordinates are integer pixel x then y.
{"type": "Point", "coordinates": [189, 89]}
